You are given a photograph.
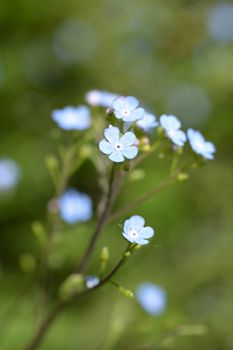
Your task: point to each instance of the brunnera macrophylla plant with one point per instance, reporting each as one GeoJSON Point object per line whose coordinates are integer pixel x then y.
{"type": "Point", "coordinates": [116, 133]}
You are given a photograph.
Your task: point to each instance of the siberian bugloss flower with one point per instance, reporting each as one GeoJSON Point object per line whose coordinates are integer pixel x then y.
{"type": "Point", "coordinates": [148, 122]}
{"type": "Point", "coordinates": [200, 145]}
{"type": "Point", "coordinates": [171, 126]}
{"type": "Point", "coordinates": [126, 108]}
{"type": "Point", "coordinates": [152, 298]}
{"type": "Point", "coordinates": [118, 147]}
{"type": "Point", "coordinates": [135, 232]}
{"type": "Point", "coordinates": [9, 174]}
{"type": "Point", "coordinates": [92, 281]}
{"type": "Point", "coordinates": [72, 118]}
{"type": "Point", "coordinates": [100, 98]}
{"type": "Point", "coordinates": [75, 206]}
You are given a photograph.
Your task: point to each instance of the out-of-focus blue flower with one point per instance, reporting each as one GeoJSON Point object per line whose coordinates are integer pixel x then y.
{"type": "Point", "coordinates": [100, 98]}
{"type": "Point", "coordinates": [9, 174]}
{"type": "Point", "coordinates": [71, 118]}
{"type": "Point", "coordinates": [148, 122]}
{"type": "Point", "coordinates": [92, 281]}
{"type": "Point", "coordinates": [200, 145]}
{"type": "Point", "coordinates": [135, 232]}
{"type": "Point", "coordinates": [220, 22]}
{"type": "Point", "coordinates": [172, 126]}
{"type": "Point", "coordinates": [118, 147]}
{"type": "Point", "coordinates": [75, 206]}
{"type": "Point", "coordinates": [126, 108]}
{"type": "Point", "coordinates": [152, 298]}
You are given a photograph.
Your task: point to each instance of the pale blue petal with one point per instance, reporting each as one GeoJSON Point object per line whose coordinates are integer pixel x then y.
{"type": "Point", "coordinates": [127, 226]}
{"type": "Point", "coordinates": [141, 241]}
{"type": "Point", "coordinates": [134, 115]}
{"type": "Point", "coordinates": [147, 232]}
{"type": "Point", "coordinates": [210, 147]}
{"type": "Point", "coordinates": [128, 139]}
{"type": "Point", "coordinates": [106, 147]}
{"type": "Point", "coordinates": [130, 239]}
{"type": "Point", "coordinates": [131, 103]}
{"type": "Point", "coordinates": [112, 134]}
{"type": "Point", "coordinates": [169, 122]}
{"type": "Point", "coordinates": [130, 152]}
{"type": "Point", "coordinates": [179, 138]}
{"type": "Point", "coordinates": [118, 114]}
{"type": "Point", "coordinates": [116, 157]}
{"type": "Point", "coordinates": [137, 222]}
{"type": "Point", "coordinates": [119, 103]}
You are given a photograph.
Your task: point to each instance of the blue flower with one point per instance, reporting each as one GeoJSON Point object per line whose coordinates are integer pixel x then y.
{"type": "Point", "coordinates": [148, 122]}
{"type": "Point", "coordinates": [100, 98]}
{"type": "Point", "coordinates": [118, 147]}
{"type": "Point", "coordinates": [71, 118]}
{"type": "Point", "coordinates": [172, 126]}
{"type": "Point", "coordinates": [199, 145]}
{"type": "Point", "coordinates": [135, 232]}
{"type": "Point", "coordinates": [92, 281]}
{"type": "Point", "coordinates": [125, 108]}
{"type": "Point", "coordinates": [9, 174]}
{"type": "Point", "coordinates": [152, 298]}
{"type": "Point", "coordinates": [75, 206]}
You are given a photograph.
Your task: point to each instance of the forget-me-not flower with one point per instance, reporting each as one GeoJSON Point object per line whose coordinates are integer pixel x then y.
{"type": "Point", "coordinates": [118, 147]}
{"type": "Point", "coordinates": [9, 174]}
{"type": "Point", "coordinates": [72, 118]}
{"type": "Point", "coordinates": [171, 126]}
{"type": "Point", "coordinates": [152, 298]}
{"type": "Point", "coordinates": [126, 108]}
{"type": "Point", "coordinates": [200, 145]}
{"type": "Point", "coordinates": [92, 281]}
{"type": "Point", "coordinates": [100, 98]}
{"type": "Point", "coordinates": [148, 122]}
{"type": "Point", "coordinates": [135, 232]}
{"type": "Point", "coordinates": [75, 206]}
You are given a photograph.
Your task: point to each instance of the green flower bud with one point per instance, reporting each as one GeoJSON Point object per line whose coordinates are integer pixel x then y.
{"type": "Point", "coordinates": [71, 286]}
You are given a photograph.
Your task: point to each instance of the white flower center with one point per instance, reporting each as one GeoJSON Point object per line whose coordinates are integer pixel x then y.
{"type": "Point", "coordinates": [125, 112]}
{"type": "Point", "coordinates": [133, 234]}
{"type": "Point", "coordinates": [118, 146]}
{"type": "Point", "coordinates": [200, 146]}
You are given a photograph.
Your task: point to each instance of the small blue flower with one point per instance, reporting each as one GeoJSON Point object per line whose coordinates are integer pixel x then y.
{"type": "Point", "coordinates": [148, 122]}
{"type": "Point", "coordinates": [92, 281]}
{"type": "Point", "coordinates": [71, 118]}
{"type": "Point", "coordinates": [75, 206]}
{"type": "Point", "coordinates": [100, 98]}
{"type": "Point", "coordinates": [152, 298]}
{"type": "Point", "coordinates": [125, 108]}
{"type": "Point", "coordinates": [172, 126]}
{"type": "Point", "coordinates": [118, 147]}
{"type": "Point", "coordinates": [199, 145]}
{"type": "Point", "coordinates": [135, 232]}
{"type": "Point", "coordinates": [9, 174]}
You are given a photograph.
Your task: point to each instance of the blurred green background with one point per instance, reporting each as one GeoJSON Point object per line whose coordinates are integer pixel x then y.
{"type": "Point", "coordinates": [168, 55]}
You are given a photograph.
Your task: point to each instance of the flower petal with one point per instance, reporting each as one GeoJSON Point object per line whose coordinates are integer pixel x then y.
{"type": "Point", "coordinates": [130, 152]}
{"type": "Point", "coordinates": [105, 147]}
{"type": "Point", "coordinates": [134, 115]}
{"type": "Point", "coordinates": [127, 226]}
{"type": "Point", "coordinates": [131, 102]}
{"type": "Point", "coordinates": [142, 241]}
{"type": "Point", "coordinates": [179, 138]}
{"type": "Point", "coordinates": [137, 222]}
{"type": "Point", "coordinates": [147, 232]}
{"type": "Point", "coordinates": [169, 122]}
{"type": "Point", "coordinates": [130, 239]}
{"type": "Point", "coordinates": [116, 157]}
{"type": "Point", "coordinates": [112, 134]}
{"type": "Point", "coordinates": [128, 139]}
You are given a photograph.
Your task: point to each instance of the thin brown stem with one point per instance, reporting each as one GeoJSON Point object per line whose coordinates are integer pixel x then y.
{"type": "Point", "coordinates": [45, 325]}
{"type": "Point", "coordinates": [100, 223]}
